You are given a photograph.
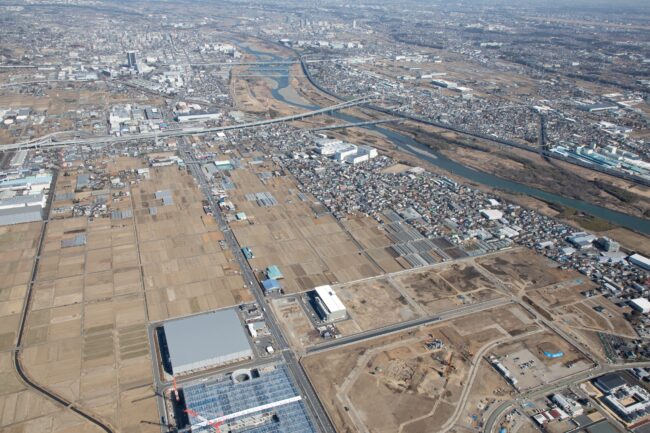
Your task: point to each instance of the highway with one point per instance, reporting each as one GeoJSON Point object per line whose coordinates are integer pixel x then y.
{"type": "Point", "coordinates": [314, 406]}
{"type": "Point", "coordinates": [38, 143]}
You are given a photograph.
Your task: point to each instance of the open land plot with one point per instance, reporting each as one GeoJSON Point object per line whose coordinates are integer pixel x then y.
{"type": "Point", "coordinates": [310, 250]}
{"type": "Point", "coordinates": [540, 359]}
{"type": "Point", "coordinates": [522, 269]}
{"type": "Point", "coordinates": [295, 324]}
{"type": "Point", "coordinates": [395, 381]}
{"type": "Point", "coordinates": [376, 303]}
{"type": "Point", "coordinates": [365, 230]}
{"type": "Point", "coordinates": [485, 394]}
{"type": "Point", "coordinates": [610, 320]}
{"type": "Point", "coordinates": [21, 409]}
{"type": "Point", "coordinates": [447, 286]}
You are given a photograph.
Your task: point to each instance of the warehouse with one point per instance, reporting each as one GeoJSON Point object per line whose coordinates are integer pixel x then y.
{"type": "Point", "coordinates": [17, 215]}
{"type": "Point", "coordinates": [203, 341]}
{"type": "Point", "coordinates": [491, 214]}
{"type": "Point", "coordinates": [27, 200]}
{"type": "Point", "coordinates": [273, 273]}
{"type": "Point", "coordinates": [271, 286]}
{"type": "Point", "coordinates": [642, 305]}
{"type": "Point", "coordinates": [329, 305]}
{"type": "Point", "coordinates": [639, 260]}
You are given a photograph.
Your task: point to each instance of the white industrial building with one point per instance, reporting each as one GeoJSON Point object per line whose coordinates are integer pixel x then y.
{"type": "Point", "coordinates": [342, 151]}
{"type": "Point", "coordinates": [567, 404]}
{"type": "Point", "coordinates": [641, 305]}
{"type": "Point", "coordinates": [203, 341]}
{"type": "Point", "coordinates": [491, 214]}
{"type": "Point", "coordinates": [640, 261]}
{"type": "Point", "coordinates": [329, 305]}
{"type": "Point", "coordinates": [192, 117]}
{"type": "Point", "coordinates": [17, 201]}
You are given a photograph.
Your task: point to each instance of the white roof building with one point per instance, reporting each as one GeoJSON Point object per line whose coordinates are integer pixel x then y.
{"type": "Point", "coordinates": [330, 304]}
{"type": "Point", "coordinates": [640, 304]}
{"type": "Point", "coordinates": [492, 214]}
{"type": "Point", "coordinates": [640, 261]}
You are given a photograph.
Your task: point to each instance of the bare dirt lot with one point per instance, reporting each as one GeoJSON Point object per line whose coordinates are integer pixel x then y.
{"type": "Point", "coordinates": [376, 303]}
{"type": "Point", "coordinates": [397, 383]}
{"type": "Point", "coordinates": [523, 269]}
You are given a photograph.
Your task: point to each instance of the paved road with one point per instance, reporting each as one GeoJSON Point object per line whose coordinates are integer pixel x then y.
{"type": "Point", "coordinates": [496, 414]}
{"type": "Point", "coordinates": [390, 329]}
{"type": "Point", "coordinates": [37, 143]}
{"type": "Point", "coordinates": [321, 420]}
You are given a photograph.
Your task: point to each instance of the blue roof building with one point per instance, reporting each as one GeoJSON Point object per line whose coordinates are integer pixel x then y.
{"type": "Point", "coordinates": [271, 286]}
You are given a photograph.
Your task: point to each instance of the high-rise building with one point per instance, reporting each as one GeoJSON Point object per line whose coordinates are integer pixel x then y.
{"type": "Point", "coordinates": [130, 59]}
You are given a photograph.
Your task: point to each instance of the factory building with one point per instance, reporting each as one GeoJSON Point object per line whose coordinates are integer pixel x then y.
{"type": "Point", "coordinates": [19, 201]}
{"type": "Point", "coordinates": [197, 116]}
{"type": "Point", "coordinates": [642, 305]}
{"type": "Point", "coordinates": [328, 304]}
{"type": "Point", "coordinates": [639, 260]}
{"type": "Point", "coordinates": [203, 341]}
{"type": "Point", "coordinates": [491, 214]}
{"type": "Point", "coordinates": [567, 404]}
{"type": "Point", "coordinates": [271, 286]}
{"type": "Point", "coordinates": [18, 215]}
{"type": "Point", "coordinates": [273, 273]}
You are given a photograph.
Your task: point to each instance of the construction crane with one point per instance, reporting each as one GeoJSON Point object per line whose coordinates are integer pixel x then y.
{"type": "Point", "coordinates": [213, 424]}
{"type": "Point", "coordinates": [449, 368]}
{"type": "Point", "coordinates": [175, 390]}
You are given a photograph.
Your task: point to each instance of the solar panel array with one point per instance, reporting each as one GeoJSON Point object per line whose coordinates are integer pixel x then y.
{"type": "Point", "coordinates": [223, 397]}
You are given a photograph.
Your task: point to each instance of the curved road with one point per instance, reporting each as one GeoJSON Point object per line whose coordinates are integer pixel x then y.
{"type": "Point", "coordinates": [21, 331]}
{"type": "Point", "coordinates": [547, 389]}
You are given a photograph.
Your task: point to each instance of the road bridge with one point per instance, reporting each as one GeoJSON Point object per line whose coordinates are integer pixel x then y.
{"type": "Point", "coordinates": [34, 144]}
{"type": "Point", "coordinates": [352, 125]}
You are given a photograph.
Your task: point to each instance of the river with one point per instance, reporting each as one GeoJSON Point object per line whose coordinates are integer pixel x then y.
{"type": "Point", "coordinates": [425, 153]}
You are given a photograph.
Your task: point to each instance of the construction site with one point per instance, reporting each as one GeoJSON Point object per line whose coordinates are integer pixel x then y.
{"type": "Point", "coordinates": [424, 379]}
{"type": "Point", "coordinates": [261, 399]}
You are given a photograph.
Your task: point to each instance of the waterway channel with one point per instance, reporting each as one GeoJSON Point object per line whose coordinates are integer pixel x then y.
{"type": "Point", "coordinates": [425, 153]}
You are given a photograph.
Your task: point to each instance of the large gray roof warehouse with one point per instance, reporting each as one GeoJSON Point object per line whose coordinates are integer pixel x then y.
{"type": "Point", "coordinates": [206, 340]}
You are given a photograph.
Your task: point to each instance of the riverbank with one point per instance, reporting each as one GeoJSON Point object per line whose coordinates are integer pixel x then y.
{"type": "Point", "coordinates": [404, 142]}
